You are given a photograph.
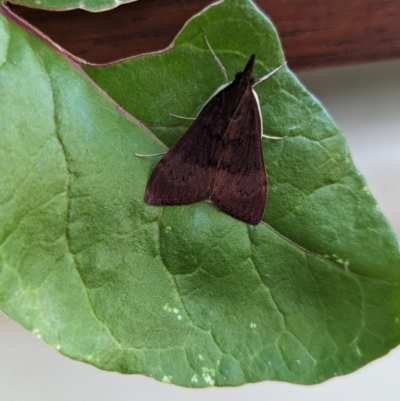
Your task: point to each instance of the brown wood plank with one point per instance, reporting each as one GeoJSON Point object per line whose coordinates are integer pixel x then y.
{"type": "Point", "coordinates": [315, 33]}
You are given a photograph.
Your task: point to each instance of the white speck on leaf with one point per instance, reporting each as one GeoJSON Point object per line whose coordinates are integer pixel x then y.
{"type": "Point", "coordinates": [167, 308]}
{"type": "Point", "coordinates": [208, 375]}
{"type": "Point", "coordinates": [167, 379]}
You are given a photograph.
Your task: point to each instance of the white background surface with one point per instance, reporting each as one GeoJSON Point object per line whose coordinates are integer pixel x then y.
{"type": "Point", "coordinates": [365, 102]}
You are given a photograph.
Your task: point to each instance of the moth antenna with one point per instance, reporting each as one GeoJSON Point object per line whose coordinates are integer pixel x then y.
{"type": "Point", "coordinates": [218, 61]}
{"type": "Point", "coordinates": [276, 138]}
{"type": "Point", "coordinates": [151, 155]}
{"type": "Point", "coordinates": [181, 117]}
{"type": "Point", "coordinates": [265, 77]}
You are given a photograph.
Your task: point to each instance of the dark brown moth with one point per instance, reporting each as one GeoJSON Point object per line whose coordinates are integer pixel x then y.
{"type": "Point", "coordinates": [219, 157]}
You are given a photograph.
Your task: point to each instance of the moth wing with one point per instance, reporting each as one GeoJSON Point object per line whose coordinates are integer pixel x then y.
{"type": "Point", "coordinates": [186, 173]}
{"type": "Point", "coordinates": [240, 187]}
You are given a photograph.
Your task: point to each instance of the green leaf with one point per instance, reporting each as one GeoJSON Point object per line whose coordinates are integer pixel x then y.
{"type": "Point", "coordinates": [187, 295]}
{"type": "Point", "coordinates": [65, 5]}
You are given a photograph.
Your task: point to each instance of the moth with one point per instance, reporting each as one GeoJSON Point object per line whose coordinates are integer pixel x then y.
{"type": "Point", "coordinates": [219, 158]}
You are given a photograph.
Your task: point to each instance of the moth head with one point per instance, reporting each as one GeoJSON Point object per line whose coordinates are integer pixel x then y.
{"type": "Point", "coordinates": [245, 76]}
{"type": "Point", "coordinates": [239, 76]}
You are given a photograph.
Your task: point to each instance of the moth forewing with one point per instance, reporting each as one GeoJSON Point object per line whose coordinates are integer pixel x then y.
{"type": "Point", "coordinates": [240, 186]}
{"type": "Point", "coordinates": [219, 89]}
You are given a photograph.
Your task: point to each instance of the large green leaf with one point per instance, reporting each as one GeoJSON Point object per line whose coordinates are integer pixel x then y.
{"type": "Point", "coordinates": [64, 5]}
{"type": "Point", "coordinates": [185, 294]}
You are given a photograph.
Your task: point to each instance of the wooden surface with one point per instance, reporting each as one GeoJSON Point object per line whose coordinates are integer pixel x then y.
{"type": "Point", "coordinates": [314, 33]}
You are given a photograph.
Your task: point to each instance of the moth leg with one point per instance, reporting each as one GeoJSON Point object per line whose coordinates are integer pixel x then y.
{"type": "Point", "coordinates": [276, 138]}
{"type": "Point", "coordinates": [218, 61]}
{"type": "Point", "coordinates": [265, 77]}
{"type": "Point", "coordinates": [181, 117]}
{"type": "Point", "coordinates": [151, 155]}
